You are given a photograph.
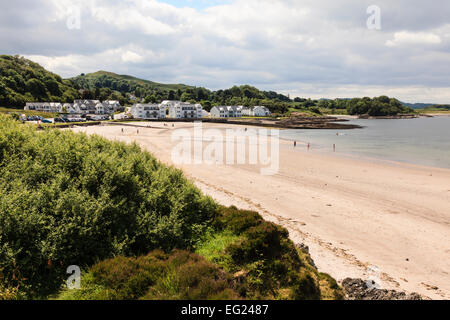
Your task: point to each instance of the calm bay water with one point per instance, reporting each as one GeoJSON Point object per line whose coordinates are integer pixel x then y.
{"type": "Point", "coordinates": [423, 141]}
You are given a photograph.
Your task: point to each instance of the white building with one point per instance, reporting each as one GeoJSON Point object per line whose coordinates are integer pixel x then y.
{"type": "Point", "coordinates": [87, 106]}
{"type": "Point", "coordinates": [226, 112]}
{"type": "Point", "coordinates": [205, 114]}
{"type": "Point", "coordinates": [112, 105]}
{"type": "Point", "coordinates": [120, 116]}
{"type": "Point", "coordinates": [148, 111]}
{"type": "Point", "coordinates": [71, 108]}
{"type": "Point", "coordinates": [78, 107]}
{"type": "Point", "coordinates": [44, 106]}
{"type": "Point", "coordinates": [184, 110]}
{"type": "Point", "coordinates": [258, 111]}
{"type": "Point", "coordinates": [100, 108]}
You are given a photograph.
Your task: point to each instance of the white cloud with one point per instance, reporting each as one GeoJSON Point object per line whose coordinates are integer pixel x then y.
{"type": "Point", "coordinates": [133, 57]}
{"type": "Point", "coordinates": [286, 45]}
{"type": "Point", "coordinates": [413, 38]}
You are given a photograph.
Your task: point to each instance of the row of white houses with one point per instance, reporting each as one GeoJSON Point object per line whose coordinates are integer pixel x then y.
{"type": "Point", "coordinates": [185, 110]}
{"type": "Point", "coordinates": [167, 109]}
{"type": "Point", "coordinates": [77, 107]}
{"type": "Point", "coordinates": [239, 111]}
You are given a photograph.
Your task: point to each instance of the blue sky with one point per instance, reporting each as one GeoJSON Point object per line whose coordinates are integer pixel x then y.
{"type": "Point", "coordinates": [306, 48]}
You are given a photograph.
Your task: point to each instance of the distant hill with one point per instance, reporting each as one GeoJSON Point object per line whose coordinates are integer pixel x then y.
{"type": "Point", "coordinates": [122, 83]}
{"type": "Point", "coordinates": [418, 105]}
{"type": "Point", "coordinates": [22, 80]}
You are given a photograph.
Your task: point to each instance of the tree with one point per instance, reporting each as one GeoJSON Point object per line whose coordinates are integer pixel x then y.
{"type": "Point", "coordinates": [36, 87]}
{"type": "Point", "coordinates": [52, 85]}
{"type": "Point", "coordinates": [150, 99]}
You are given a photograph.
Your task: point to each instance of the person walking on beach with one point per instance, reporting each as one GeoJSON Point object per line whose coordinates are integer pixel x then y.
{"type": "Point", "coordinates": [122, 130]}
{"type": "Point", "coordinates": [334, 147]}
{"type": "Point", "coordinates": [295, 144]}
{"type": "Point", "coordinates": [309, 146]}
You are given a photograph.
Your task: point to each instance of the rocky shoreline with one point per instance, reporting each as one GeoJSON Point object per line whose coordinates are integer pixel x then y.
{"type": "Point", "coordinates": [400, 116]}
{"type": "Point", "coordinates": [358, 289]}
{"type": "Point", "coordinates": [289, 123]}
{"type": "Point", "coordinates": [298, 123]}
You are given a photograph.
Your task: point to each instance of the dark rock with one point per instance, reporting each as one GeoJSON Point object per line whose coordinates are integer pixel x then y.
{"type": "Point", "coordinates": [303, 247]}
{"type": "Point", "coordinates": [357, 289]}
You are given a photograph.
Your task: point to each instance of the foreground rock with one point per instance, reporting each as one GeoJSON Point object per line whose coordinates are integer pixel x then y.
{"type": "Point", "coordinates": [357, 289]}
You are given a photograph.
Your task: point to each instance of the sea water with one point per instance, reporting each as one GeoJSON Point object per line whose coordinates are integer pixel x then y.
{"type": "Point", "coordinates": [422, 141]}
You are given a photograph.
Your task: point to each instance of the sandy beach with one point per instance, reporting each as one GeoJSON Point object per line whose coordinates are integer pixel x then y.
{"type": "Point", "coordinates": [355, 215]}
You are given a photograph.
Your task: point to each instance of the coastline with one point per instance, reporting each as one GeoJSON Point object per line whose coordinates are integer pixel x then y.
{"type": "Point", "coordinates": [352, 213]}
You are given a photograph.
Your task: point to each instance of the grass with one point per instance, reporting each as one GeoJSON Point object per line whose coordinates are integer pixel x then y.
{"type": "Point", "coordinates": [65, 124]}
{"type": "Point", "coordinates": [214, 246]}
{"type": "Point", "coordinates": [433, 110]}
{"type": "Point", "coordinates": [28, 113]}
{"type": "Point", "coordinates": [342, 112]}
{"type": "Point", "coordinates": [157, 276]}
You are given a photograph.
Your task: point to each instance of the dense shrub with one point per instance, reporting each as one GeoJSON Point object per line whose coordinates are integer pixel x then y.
{"type": "Point", "coordinates": [263, 252]}
{"type": "Point", "coordinates": [69, 199]}
{"type": "Point", "coordinates": [162, 276]}
{"type": "Point", "coordinates": [381, 106]}
{"type": "Point", "coordinates": [236, 220]}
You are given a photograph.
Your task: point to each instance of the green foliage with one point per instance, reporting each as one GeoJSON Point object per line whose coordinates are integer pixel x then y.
{"type": "Point", "coordinates": [263, 252]}
{"type": "Point", "coordinates": [10, 294]}
{"type": "Point", "coordinates": [381, 106]}
{"type": "Point", "coordinates": [329, 288]}
{"type": "Point", "coordinates": [265, 263]}
{"type": "Point", "coordinates": [22, 81]}
{"type": "Point", "coordinates": [72, 199]}
{"type": "Point", "coordinates": [180, 275]}
{"type": "Point", "coordinates": [213, 246]}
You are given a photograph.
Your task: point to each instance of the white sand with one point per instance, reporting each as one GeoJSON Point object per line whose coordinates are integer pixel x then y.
{"type": "Point", "coordinates": [353, 214]}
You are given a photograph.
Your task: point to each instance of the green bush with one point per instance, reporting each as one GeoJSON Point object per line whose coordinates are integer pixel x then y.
{"type": "Point", "coordinates": [69, 199]}
{"type": "Point", "coordinates": [236, 220]}
{"type": "Point", "coordinates": [263, 253]}
{"type": "Point", "coordinates": [157, 276]}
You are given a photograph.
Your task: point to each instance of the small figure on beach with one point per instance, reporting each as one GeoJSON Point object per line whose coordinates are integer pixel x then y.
{"type": "Point", "coordinates": [173, 126]}
{"type": "Point", "coordinates": [334, 147]}
{"type": "Point", "coordinates": [295, 144]}
{"type": "Point", "coordinates": [138, 131]}
{"type": "Point", "coordinates": [122, 130]}
{"type": "Point", "coordinates": [309, 146]}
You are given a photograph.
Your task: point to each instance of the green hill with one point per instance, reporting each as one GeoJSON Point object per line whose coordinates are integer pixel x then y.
{"type": "Point", "coordinates": [122, 83]}
{"type": "Point", "coordinates": [22, 80]}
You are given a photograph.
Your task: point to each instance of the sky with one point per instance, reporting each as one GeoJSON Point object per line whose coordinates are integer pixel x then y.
{"type": "Point", "coordinates": [305, 48]}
